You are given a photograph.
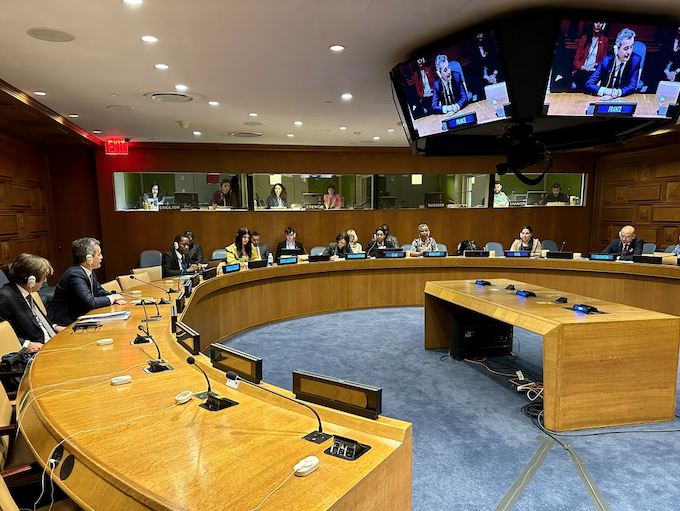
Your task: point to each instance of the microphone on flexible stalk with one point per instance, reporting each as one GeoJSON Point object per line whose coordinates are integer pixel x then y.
{"type": "Point", "coordinates": [563, 243]}
{"type": "Point", "coordinates": [212, 402]}
{"type": "Point", "coordinates": [163, 300]}
{"type": "Point", "coordinates": [317, 437]}
{"type": "Point", "coordinates": [143, 302]}
{"type": "Point", "coordinates": [155, 366]}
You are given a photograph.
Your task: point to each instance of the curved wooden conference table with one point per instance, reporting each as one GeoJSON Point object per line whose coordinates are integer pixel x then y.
{"type": "Point", "coordinates": [184, 457]}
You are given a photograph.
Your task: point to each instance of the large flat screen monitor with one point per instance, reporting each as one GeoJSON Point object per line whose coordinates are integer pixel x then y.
{"type": "Point", "coordinates": [456, 87]}
{"type": "Point", "coordinates": [614, 70]}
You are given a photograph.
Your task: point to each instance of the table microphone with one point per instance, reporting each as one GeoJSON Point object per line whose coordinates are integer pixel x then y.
{"type": "Point", "coordinates": [155, 366]}
{"type": "Point", "coordinates": [563, 243]}
{"type": "Point", "coordinates": [143, 302]}
{"type": "Point", "coordinates": [318, 437]}
{"type": "Point", "coordinates": [212, 403]}
{"type": "Point", "coordinates": [163, 300]}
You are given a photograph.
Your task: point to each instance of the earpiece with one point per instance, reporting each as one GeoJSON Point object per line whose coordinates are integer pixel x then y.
{"type": "Point", "coordinates": [31, 282]}
{"type": "Point", "coordinates": [616, 49]}
{"type": "Point", "coordinates": [89, 259]}
{"type": "Point", "coordinates": [176, 245]}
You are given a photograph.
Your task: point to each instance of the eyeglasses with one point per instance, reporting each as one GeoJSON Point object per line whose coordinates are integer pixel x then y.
{"type": "Point", "coordinates": [90, 329]}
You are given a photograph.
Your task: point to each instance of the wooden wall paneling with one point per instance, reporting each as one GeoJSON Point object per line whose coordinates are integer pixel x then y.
{"type": "Point", "coordinates": [666, 169]}
{"type": "Point", "coordinates": [618, 174]}
{"type": "Point", "coordinates": [645, 172]}
{"type": "Point", "coordinates": [8, 224]}
{"type": "Point", "coordinates": [37, 222]}
{"type": "Point", "coordinates": [5, 253]}
{"type": "Point", "coordinates": [621, 194]}
{"type": "Point", "coordinates": [21, 223]}
{"type": "Point", "coordinates": [647, 193]}
{"type": "Point", "coordinates": [666, 214]}
{"type": "Point", "coordinates": [17, 196]}
{"type": "Point", "coordinates": [267, 162]}
{"type": "Point", "coordinates": [649, 234]}
{"type": "Point", "coordinates": [20, 245]}
{"type": "Point", "coordinates": [624, 214]}
{"type": "Point", "coordinates": [367, 163]}
{"type": "Point", "coordinates": [669, 235]}
{"type": "Point", "coordinates": [644, 214]}
{"type": "Point", "coordinates": [6, 167]}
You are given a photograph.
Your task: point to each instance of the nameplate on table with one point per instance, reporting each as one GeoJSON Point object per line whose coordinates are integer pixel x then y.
{"type": "Point", "coordinates": [231, 268]}
{"type": "Point", "coordinates": [517, 253]}
{"type": "Point", "coordinates": [434, 253]}
{"type": "Point", "coordinates": [603, 257]}
{"type": "Point", "coordinates": [392, 254]}
{"type": "Point", "coordinates": [359, 255]}
{"type": "Point", "coordinates": [649, 259]}
{"type": "Point", "coordinates": [552, 254]}
{"type": "Point", "coordinates": [169, 207]}
{"type": "Point", "coordinates": [314, 207]}
{"type": "Point", "coordinates": [435, 205]}
{"type": "Point", "coordinates": [287, 260]}
{"type": "Point", "coordinates": [611, 109]}
{"type": "Point", "coordinates": [476, 253]}
{"type": "Point", "coordinates": [460, 121]}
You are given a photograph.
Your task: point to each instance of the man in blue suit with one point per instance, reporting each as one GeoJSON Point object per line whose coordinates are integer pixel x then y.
{"type": "Point", "coordinates": [78, 291]}
{"type": "Point", "coordinates": [617, 75]}
{"type": "Point", "coordinates": [448, 93]}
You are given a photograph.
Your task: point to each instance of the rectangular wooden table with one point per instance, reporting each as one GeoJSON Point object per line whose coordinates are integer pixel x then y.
{"type": "Point", "coordinates": [598, 369]}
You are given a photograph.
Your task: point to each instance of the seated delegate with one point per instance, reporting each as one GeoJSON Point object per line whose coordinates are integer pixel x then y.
{"type": "Point", "coordinates": [262, 249]}
{"type": "Point", "coordinates": [78, 291]}
{"type": "Point", "coordinates": [242, 251]}
{"type": "Point", "coordinates": [175, 261]}
{"type": "Point", "coordinates": [195, 254]}
{"type": "Point", "coordinates": [278, 197]}
{"type": "Point", "coordinates": [332, 200]}
{"type": "Point", "coordinates": [467, 245]}
{"type": "Point", "coordinates": [289, 243]}
{"type": "Point", "coordinates": [225, 196]}
{"type": "Point", "coordinates": [154, 194]}
{"type": "Point", "coordinates": [424, 242]}
{"type": "Point", "coordinates": [526, 242]}
{"type": "Point", "coordinates": [557, 195]}
{"type": "Point", "coordinates": [17, 306]}
{"type": "Point", "coordinates": [354, 244]}
{"type": "Point", "coordinates": [340, 248]}
{"type": "Point", "coordinates": [379, 241]}
{"type": "Point", "coordinates": [627, 245]}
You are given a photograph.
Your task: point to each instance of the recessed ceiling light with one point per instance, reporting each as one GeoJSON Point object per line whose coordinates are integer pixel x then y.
{"type": "Point", "coordinates": [298, 123]}
{"type": "Point", "coordinates": [252, 114]}
{"type": "Point", "coordinates": [114, 94]}
{"type": "Point", "coordinates": [96, 132]}
{"type": "Point", "coordinates": [342, 127]}
{"type": "Point", "coordinates": [346, 96]}
{"type": "Point", "coordinates": [376, 138]}
{"type": "Point", "coordinates": [290, 135]}
{"type": "Point", "coordinates": [161, 66]}
{"type": "Point", "coordinates": [213, 103]}
{"type": "Point", "coordinates": [40, 93]}
{"type": "Point", "coordinates": [197, 132]}
{"type": "Point", "coordinates": [181, 88]}
{"type": "Point", "coordinates": [149, 39]}
{"type": "Point", "coordinates": [73, 116]}
{"type": "Point", "coordinates": [337, 47]}
{"type": "Point", "coordinates": [390, 130]}
{"type": "Point", "coordinates": [133, 2]}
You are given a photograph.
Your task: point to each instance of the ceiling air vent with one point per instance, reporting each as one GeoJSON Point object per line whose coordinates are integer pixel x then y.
{"type": "Point", "coordinates": [170, 97]}
{"type": "Point", "coordinates": [242, 134]}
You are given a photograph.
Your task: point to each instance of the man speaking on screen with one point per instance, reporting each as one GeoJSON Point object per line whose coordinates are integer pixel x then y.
{"type": "Point", "coordinates": [448, 95]}
{"type": "Point", "coordinates": [617, 75]}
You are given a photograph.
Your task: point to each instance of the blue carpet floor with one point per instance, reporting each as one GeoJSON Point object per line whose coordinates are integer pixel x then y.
{"type": "Point", "coordinates": [470, 439]}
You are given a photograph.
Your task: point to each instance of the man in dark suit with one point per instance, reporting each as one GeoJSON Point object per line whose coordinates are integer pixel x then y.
{"type": "Point", "coordinates": [448, 93]}
{"type": "Point", "coordinates": [289, 243]}
{"type": "Point", "coordinates": [617, 75]}
{"type": "Point", "coordinates": [175, 261]}
{"type": "Point", "coordinates": [78, 291]}
{"type": "Point", "coordinates": [627, 245]}
{"type": "Point", "coordinates": [27, 274]}
{"type": "Point", "coordinates": [261, 248]}
{"type": "Point", "coordinates": [195, 254]}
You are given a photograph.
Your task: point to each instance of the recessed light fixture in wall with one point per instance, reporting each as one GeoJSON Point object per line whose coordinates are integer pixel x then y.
{"type": "Point", "coordinates": [342, 128]}
{"type": "Point", "coordinates": [337, 47]}
{"type": "Point", "coordinates": [298, 123]}
{"type": "Point", "coordinates": [213, 103]}
{"type": "Point", "coordinates": [346, 96]}
{"type": "Point", "coordinates": [252, 114]}
{"type": "Point", "coordinates": [161, 66]}
{"type": "Point", "coordinates": [290, 135]}
{"type": "Point", "coordinates": [149, 39]}
{"type": "Point", "coordinates": [181, 88]}
{"type": "Point", "coordinates": [40, 93]}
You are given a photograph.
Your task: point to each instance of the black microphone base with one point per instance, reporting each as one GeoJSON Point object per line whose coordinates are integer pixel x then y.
{"type": "Point", "coordinates": [215, 404]}
{"type": "Point", "coordinates": [164, 301]}
{"type": "Point", "coordinates": [157, 366]}
{"type": "Point", "coordinates": [173, 291]}
{"type": "Point", "coordinates": [141, 339]}
{"type": "Point", "coordinates": [317, 437]}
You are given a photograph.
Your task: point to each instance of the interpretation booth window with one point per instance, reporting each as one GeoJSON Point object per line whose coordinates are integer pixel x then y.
{"type": "Point", "coordinates": [553, 190]}
{"type": "Point", "coordinates": [152, 191]}
{"type": "Point", "coordinates": [310, 191]}
{"type": "Point", "coordinates": [418, 191]}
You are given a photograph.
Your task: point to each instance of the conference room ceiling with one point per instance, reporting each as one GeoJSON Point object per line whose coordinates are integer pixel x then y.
{"type": "Point", "coordinates": [269, 57]}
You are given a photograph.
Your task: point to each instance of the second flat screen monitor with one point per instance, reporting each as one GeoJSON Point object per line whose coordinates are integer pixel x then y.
{"type": "Point", "coordinates": [457, 87]}
{"type": "Point", "coordinates": [603, 69]}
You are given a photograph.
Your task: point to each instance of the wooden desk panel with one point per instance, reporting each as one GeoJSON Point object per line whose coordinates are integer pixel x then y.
{"type": "Point", "coordinates": [186, 457]}
{"type": "Point", "coordinates": [598, 370]}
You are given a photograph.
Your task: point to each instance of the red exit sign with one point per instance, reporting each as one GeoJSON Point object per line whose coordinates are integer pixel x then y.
{"type": "Point", "coordinates": [116, 147]}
